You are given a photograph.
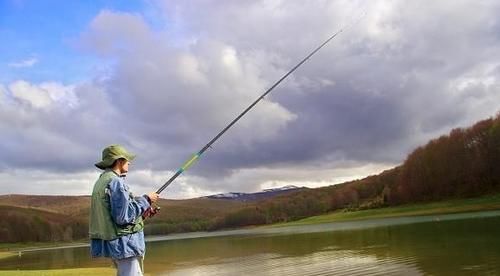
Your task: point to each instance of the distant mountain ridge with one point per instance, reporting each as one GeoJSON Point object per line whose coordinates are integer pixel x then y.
{"type": "Point", "coordinates": [265, 194]}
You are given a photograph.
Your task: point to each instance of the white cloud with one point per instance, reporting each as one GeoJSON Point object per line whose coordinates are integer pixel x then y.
{"type": "Point", "coordinates": [3, 94]}
{"type": "Point", "coordinates": [42, 95]}
{"type": "Point", "coordinates": [111, 32]}
{"type": "Point", "coordinates": [202, 86]}
{"type": "Point", "coordinates": [40, 182]}
{"type": "Point", "coordinates": [50, 126]}
{"type": "Point", "coordinates": [33, 95]}
{"type": "Point", "coordinates": [24, 63]}
{"type": "Point", "coordinates": [143, 181]}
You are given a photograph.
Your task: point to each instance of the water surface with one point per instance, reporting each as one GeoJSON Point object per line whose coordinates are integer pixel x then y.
{"type": "Point", "coordinates": [460, 244]}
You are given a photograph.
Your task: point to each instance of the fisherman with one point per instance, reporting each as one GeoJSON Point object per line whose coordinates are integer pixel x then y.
{"type": "Point", "coordinates": [116, 216]}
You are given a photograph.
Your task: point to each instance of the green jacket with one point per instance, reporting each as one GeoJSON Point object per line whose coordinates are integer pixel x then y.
{"type": "Point", "coordinates": [102, 224]}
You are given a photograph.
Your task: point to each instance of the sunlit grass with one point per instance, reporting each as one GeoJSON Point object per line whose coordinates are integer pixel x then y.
{"type": "Point", "coordinates": [37, 245]}
{"type": "Point", "coordinates": [6, 254]}
{"type": "Point", "coordinates": [444, 207]}
{"type": "Point", "coordinates": [59, 272]}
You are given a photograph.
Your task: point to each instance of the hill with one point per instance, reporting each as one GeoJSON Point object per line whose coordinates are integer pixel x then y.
{"type": "Point", "coordinates": [462, 164]}
{"type": "Point", "coordinates": [73, 206]}
{"type": "Point", "coordinates": [65, 218]}
{"type": "Point", "coordinates": [26, 224]}
{"type": "Point", "coordinates": [176, 216]}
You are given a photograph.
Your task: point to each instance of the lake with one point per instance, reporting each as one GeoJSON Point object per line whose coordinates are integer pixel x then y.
{"type": "Point", "coordinates": [457, 244]}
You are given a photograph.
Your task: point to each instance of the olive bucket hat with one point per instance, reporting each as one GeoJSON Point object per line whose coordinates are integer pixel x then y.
{"type": "Point", "coordinates": [112, 153]}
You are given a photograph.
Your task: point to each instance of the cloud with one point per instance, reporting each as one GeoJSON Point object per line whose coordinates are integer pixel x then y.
{"type": "Point", "coordinates": [406, 73]}
{"type": "Point", "coordinates": [43, 95]}
{"type": "Point", "coordinates": [46, 183]}
{"type": "Point", "coordinates": [49, 126]}
{"type": "Point", "coordinates": [24, 63]}
{"type": "Point", "coordinates": [180, 94]}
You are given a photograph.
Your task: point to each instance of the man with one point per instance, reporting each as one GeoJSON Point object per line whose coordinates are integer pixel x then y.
{"type": "Point", "coordinates": [116, 216]}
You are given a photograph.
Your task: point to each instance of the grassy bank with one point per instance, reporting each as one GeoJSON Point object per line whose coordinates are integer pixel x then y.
{"type": "Point", "coordinates": [13, 249]}
{"type": "Point", "coordinates": [26, 246]}
{"type": "Point", "coordinates": [491, 202]}
{"type": "Point", "coordinates": [61, 272]}
{"type": "Point", "coordinates": [6, 254]}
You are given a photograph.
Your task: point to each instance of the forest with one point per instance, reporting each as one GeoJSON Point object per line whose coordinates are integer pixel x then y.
{"type": "Point", "coordinates": [463, 164]}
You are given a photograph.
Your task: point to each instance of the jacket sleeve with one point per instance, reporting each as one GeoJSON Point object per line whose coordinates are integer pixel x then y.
{"type": "Point", "coordinates": [125, 209]}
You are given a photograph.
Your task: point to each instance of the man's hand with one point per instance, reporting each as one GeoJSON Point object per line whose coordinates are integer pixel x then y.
{"type": "Point", "coordinates": [153, 197]}
{"type": "Point", "coordinates": [150, 212]}
{"type": "Point", "coordinates": [153, 209]}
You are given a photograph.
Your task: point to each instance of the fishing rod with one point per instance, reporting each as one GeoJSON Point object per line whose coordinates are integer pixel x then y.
{"type": "Point", "coordinates": [197, 155]}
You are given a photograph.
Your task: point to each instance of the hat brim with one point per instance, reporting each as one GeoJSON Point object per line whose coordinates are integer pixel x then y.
{"type": "Point", "coordinates": [104, 164]}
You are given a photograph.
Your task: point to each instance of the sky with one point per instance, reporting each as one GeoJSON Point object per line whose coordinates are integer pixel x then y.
{"type": "Point", "coordinates": [163, 77]}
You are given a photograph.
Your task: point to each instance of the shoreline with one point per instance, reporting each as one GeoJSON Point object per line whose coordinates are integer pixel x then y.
{"type": "Point", "coordinates": [478, 204]}
{"type": "Point", "coordinates": [6, 254]}
{"type": "Point", "coordinates": [486, 203]}
{"type": "Point", "coordinates": [62, 272]}
{"type": "Point", "coordinates": [11, 249]}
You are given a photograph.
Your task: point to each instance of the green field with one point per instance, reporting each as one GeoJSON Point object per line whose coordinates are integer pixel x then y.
{"type": "Point", "coordinates": [61, 272]}
{"type": "Point", "coordinates": [22, 246]}
{"type": "Point", "coordinates": [56, 272]}
{"type": "Point", "coordinates": [491, 202]}
{"type": "Point", "coordinates": [6, 254]}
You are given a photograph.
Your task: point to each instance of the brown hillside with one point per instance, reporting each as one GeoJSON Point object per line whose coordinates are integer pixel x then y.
{"type": "Point", "coordinates": [171, 210]}
{"type": "Point", "coordinates": [27, 224]}
{"type": "Point", "coordinates": [57, 218]}
{"type": "Point", "coordinates": [68, 205]}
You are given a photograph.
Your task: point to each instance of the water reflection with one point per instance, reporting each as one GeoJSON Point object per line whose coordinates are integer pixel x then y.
{"type": "Point", "coordinates": [319, 263]}
{"type": "Point", "coordinates": [462, 246]}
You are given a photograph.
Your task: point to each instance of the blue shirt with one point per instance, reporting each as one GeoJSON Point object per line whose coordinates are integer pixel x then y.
{"type": "Point", "coordinates": [123, 211]}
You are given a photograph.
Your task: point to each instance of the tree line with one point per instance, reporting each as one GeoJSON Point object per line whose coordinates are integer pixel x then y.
{"type": "Point", "coordinates": [464, 163]}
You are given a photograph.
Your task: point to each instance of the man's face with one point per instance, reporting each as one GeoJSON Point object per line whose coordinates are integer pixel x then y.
{"type": "Point", "coordinates": [123, 166]}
